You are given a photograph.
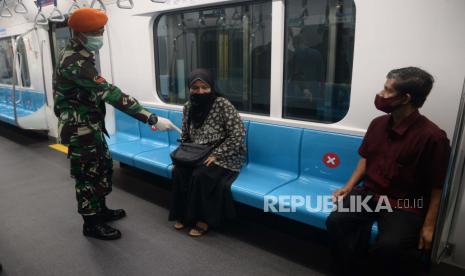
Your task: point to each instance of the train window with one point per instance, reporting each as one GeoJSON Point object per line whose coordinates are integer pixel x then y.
{"type": "Point", "coordinates": [318, 59]}
{"type": "Point", "coordinates": [22, 58]}
{"type": "Point", "coordinates": [6, 61]}
{"type": "Point", "coordinates": [233, 41]}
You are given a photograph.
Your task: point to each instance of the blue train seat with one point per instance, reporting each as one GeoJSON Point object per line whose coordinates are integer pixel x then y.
{"type": "Point", "coordinates": [158, 160]}
{"type": "Point", "coordinates": [281, 161]}
{"type": "Point", "coordinates": [273, 161]}
{"type": "Point", "coordinates": [27, 102]}
{"type": "Point", "coordinates": [127, 129]}
{"type": "Point", "coordinates": [327, 161]}
{"type": "Point", "coordinates": [149, 140]}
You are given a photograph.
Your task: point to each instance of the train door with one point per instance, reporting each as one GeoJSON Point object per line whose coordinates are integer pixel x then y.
{"type": "Point", "coordinates": [450, 245]}
{"type": "Point", "coordinates": [29, 99]}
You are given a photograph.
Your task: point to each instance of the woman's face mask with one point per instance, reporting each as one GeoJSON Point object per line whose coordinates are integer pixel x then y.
{"type": "Point", "coordinates": [201, 99]}
{"type": "Point", "coordinates": [93, 43]}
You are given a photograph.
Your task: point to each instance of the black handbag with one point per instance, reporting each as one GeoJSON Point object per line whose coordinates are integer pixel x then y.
{"type": "Point", "coordinates": [189, 154]}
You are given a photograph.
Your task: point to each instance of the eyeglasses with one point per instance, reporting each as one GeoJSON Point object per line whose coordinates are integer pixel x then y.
{"type": "Point", "coordinates": [203, 87]}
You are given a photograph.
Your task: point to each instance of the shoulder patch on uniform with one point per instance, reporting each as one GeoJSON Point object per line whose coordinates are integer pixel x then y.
{"type": "Point", "coordinates": [99, 79]}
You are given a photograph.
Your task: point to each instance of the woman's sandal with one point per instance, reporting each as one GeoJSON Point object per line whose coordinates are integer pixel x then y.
{"type": "Point", "coordinates": [178, 225]}
{"type": "Point", "coordinates": [198, 231]}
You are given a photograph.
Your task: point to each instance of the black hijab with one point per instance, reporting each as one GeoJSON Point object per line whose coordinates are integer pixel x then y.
{"type": "Point", "coordinates": [201, 104]}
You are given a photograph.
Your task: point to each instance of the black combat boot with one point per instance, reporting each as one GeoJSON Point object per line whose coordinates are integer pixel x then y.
{"type": "Point", "coordinates": [95, 227]}
{"type": "Point", "coordinates": [110, 214]}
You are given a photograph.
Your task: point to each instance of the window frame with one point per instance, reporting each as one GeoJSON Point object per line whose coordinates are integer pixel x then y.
{"type": "Point", "coordinates": [277, 77]}
{"type": "Point", "coordinates": [216, 5]}
{"type": "Point", "coordinates": [330, 80]}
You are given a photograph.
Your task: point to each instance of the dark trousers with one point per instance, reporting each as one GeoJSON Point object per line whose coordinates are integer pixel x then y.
{"type": "Point", "coordinates": [394, 251]}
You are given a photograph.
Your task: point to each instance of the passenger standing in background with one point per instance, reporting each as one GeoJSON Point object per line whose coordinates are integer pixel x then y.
{"type": "Point", "coordinates": [202, 195]}
{"type": "Point", "coordinates": [404, 160]}
{"type": "Point", "coordinates": [308, 68]}
{"type": "Point", "coordinates": [80, 95]}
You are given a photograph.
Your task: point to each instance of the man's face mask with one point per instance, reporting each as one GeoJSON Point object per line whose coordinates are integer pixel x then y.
{"type": "Point", "coordinates": [388, 104]}
{"type": "Point", "coordinates": [94, 43]}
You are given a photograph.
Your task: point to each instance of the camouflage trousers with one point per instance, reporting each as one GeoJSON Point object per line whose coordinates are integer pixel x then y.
{"type": "Point", "coordinates": [92, 169]}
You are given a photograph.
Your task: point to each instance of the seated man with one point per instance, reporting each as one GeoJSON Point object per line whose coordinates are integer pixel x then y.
{"type": "Point", "coordinates": [403, 167]}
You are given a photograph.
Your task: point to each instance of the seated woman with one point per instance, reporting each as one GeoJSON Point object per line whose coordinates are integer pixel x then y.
{"type": "Point", "coordinates": [202, 195]}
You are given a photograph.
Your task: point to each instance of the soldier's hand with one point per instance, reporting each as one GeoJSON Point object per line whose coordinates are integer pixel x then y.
{"type": "Point", "coordinates": [153, 119]}
{"type": "Point", "coordinates": [164, 124]}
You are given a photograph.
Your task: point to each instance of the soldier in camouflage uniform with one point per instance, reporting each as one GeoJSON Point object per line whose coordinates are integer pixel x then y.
{"type": "Point", "coordinates": [80, 95]}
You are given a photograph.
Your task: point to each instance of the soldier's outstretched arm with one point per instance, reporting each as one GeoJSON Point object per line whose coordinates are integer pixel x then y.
{"type": "Point", "coordinates": [86, 76]}
{"type": "Point", "coordinates": [128, 104]}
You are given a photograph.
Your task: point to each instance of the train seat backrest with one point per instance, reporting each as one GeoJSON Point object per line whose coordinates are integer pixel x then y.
{"type": "Point", "coordinates": [274, 146]}
{"type": "Point", "coordinates": [27, 102]}
{"type": "Point", "coordinates": [159, 138]}
{"type": "Point", "coordinates": [328, 156]}
{"type": "Point", "coordinates": [126, 125]}
{"type": "Point", "coordinates": [176, 118]}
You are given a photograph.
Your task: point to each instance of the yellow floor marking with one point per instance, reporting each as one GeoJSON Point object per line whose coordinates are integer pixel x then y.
{"type": "Point", "coordinates": [60, 147]}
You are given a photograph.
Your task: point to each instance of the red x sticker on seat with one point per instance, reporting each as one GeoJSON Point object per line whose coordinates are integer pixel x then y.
{"type": "Point", "coordinates": [331, 160]}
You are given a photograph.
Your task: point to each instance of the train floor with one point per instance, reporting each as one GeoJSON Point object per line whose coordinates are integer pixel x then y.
{"type": "Point", "coordinates": [41, 232]}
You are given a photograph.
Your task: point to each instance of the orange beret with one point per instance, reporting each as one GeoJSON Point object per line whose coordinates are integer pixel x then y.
{"type": "Point", "coordinates": [87, 20]}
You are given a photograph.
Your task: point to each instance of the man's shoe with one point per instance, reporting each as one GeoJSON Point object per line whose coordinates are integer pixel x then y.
{"type": "Point", "coordinates": [108, 214]}
{"type": "Point", "coordinates": [111, 215]}
{"type": "Point", "coordinates": [101, 231]}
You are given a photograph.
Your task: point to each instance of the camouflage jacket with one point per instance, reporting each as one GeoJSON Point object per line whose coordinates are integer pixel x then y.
{"type": "Point", "coordinates": [80, 95]}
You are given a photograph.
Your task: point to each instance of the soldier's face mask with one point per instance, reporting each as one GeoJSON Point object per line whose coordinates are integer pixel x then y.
{"type": "Point", "coordinates": [93, 43]}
